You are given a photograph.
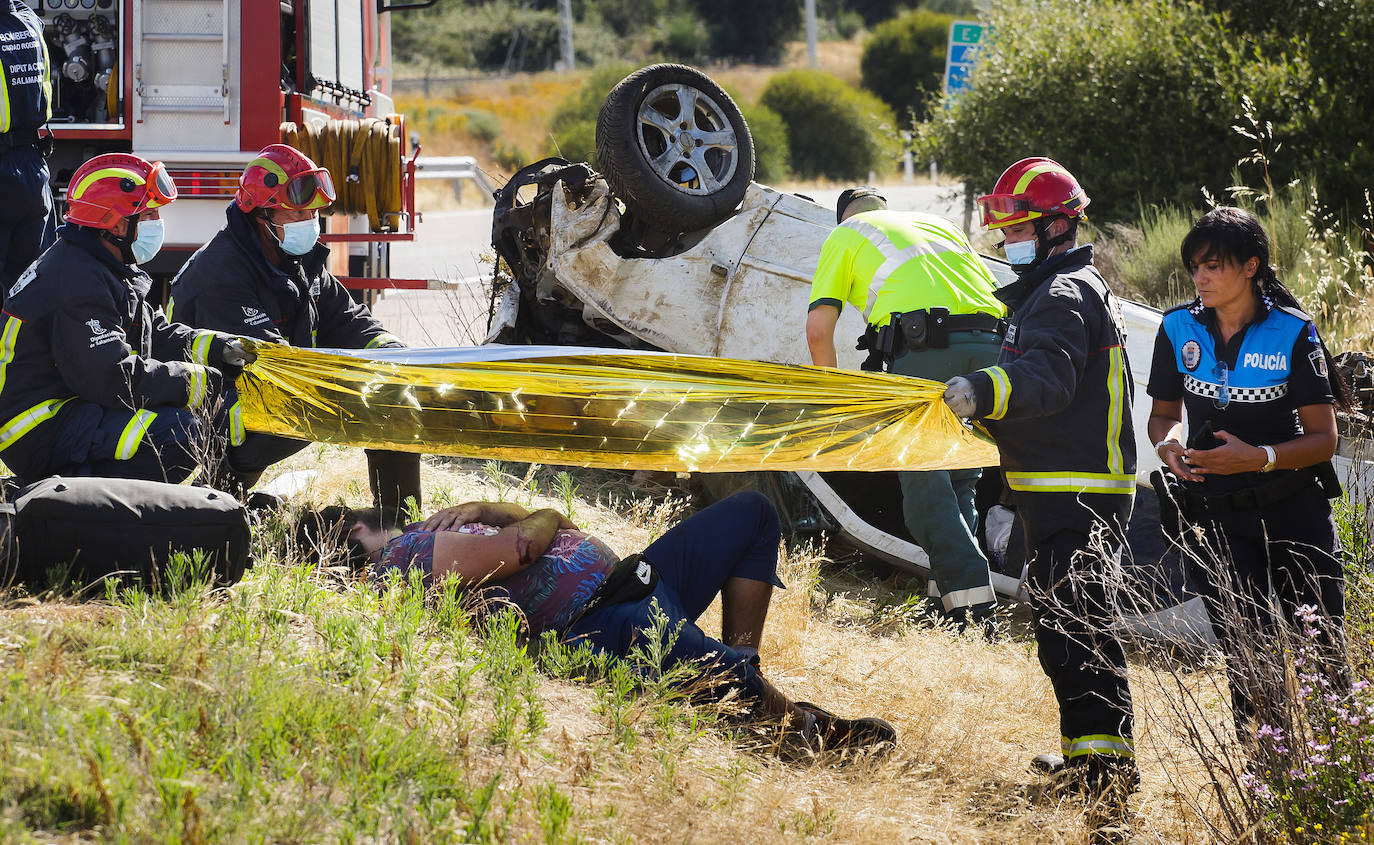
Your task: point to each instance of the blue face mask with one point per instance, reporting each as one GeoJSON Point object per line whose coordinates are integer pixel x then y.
{"type": "Point", "coordinates": [148, 242]}
{"type": "Point", "coordinates": [1021, 253]}
{"type": "Point", "coordinates": [300, 237]}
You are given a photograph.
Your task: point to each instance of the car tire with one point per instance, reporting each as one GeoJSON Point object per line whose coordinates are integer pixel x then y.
{"type": "Point", "coordinates": [679, 175]}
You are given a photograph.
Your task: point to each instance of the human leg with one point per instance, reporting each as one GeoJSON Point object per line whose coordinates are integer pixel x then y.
{"type": "Point", "coordinates": [1306, 569]}
{"type": "Point", "coordinates": [1227, 565]}
{"type": "Point", "coordinates": [933, 508]}
{"type": "Point", "coordinates": [154, 444]}
{"type": "Point", "coordinates": [394, 478]}
{"type": "Point", "coordinates": [735, 538]}
{"type": "Point", "coordinates": [937, 506]}
{"type": "Point", "coordinates": [1074, 552]}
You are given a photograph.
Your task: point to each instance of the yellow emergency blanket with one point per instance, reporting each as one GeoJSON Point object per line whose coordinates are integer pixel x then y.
{"type": "Point", "coordinates": [620, 410]}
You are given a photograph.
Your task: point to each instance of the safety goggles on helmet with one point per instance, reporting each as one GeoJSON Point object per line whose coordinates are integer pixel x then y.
{"type": "Point", "coordinates": [1006, 204]}
{"type": "Point", "coordinates": [308, 191]}
{"type": "Point", "coordinates": [161, 189]}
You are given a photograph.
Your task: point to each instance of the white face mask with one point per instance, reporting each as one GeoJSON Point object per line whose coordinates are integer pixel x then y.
{"type": "Point", "coordinates": [148, 242]}
{"type": "Point", "coordinates": [1021, 253]}
{"type": "Point", "coordinates": [300, 237]}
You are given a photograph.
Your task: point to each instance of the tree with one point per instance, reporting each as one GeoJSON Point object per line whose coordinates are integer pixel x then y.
{"type": "Point", "coordinates": [754, 31]}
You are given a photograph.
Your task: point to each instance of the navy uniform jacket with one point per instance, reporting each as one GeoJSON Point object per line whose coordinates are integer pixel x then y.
{"type": "Point", "coordinates": [1058, 402]}
{"type": "Point", "coordinates": [77, 325]}
{"type": "Point", "coordinates": [1251, 387]}
{"type": "Point", "coordinates": [229, 285]}
{"type": "Point", "coordinates": [26, 103]}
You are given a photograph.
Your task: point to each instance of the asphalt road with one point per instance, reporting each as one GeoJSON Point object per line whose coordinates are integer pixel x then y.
{"type": "Point", "coordinates": [456, 246]}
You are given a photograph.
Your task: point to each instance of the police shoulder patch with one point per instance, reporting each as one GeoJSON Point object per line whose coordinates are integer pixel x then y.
{"type": "Point", "coordinates": [1318, 362]}
{"type": "Point", "coordinates": [1191, 353]}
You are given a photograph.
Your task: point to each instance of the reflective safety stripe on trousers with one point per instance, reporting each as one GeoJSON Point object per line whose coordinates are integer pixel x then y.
{"type": "Point", "coordinates": [1069, 481]}
{"type": "Point", "coordinates": [894, 258]}
{"type": "Point", "coordinates": [236, 424]}
{"type": "Point", "coordinates": [21, 424]}
{"type": "Point", "coordinates": [1116, 746]}
{"type": "Point", "coordinates": [132, 435]}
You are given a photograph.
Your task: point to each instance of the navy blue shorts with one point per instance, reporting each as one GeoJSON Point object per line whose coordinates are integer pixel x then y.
{"type": "Point", "coordinates": [734, 538]}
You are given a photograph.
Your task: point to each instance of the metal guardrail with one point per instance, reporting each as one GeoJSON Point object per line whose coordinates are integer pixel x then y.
{"type": "Point", "coordinates": [455, 169]}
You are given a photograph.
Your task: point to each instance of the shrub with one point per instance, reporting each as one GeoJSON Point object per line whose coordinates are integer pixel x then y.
{"type": "Point", "coordinates": [1136, 99]}
{"type": "Point", "coordinates": [848, 24]}
{"type": "Point", "coordinates": [772, 155]}
{"type": "Point", "coordinates": [833, 130]}
{"type": "Point", "coordinates": [904, 61]}
{"type": "Point", "coordinates": [482, 124]}
{"type": "Point", "coordinates": [682, 37]}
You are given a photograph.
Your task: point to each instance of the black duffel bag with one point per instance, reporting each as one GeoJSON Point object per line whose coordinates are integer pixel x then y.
{"type": "Point", "coordinates": [82, 530]}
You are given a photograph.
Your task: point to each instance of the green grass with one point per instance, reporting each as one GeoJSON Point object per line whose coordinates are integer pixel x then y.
{"type": "Point", "coordinates": [297, 706]}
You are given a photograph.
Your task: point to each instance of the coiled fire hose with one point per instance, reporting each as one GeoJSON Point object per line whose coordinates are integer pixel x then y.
{"type": "Point", "coordinates": [364, 160]}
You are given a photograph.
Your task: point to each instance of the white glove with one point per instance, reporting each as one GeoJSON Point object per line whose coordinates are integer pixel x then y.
{"type": "Point", "coordinates": [237, 355]}
{"type": "Point", "coordinates": [959, 396]}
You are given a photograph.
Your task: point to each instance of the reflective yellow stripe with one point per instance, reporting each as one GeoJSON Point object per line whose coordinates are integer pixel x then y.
{"type": "Point", "coordinates": [22, 424]}
{"type": "Point", "coordinates": [4, 99]}
{"type": "Point", "coordinates": [384, 337]}
{"type": "Point", "coordinates": [1071, 482]}
{"type": "Point", "coordinates": [195, 391]}
{"type": "Point", "coordinates": [1116, 746]}
{"type": "Point", "coordinates": [132, 435]}
{"type": "Point", "coordinates": [200, 347]}
{"type": "Point", "coordinates": [171, 306]}
{"type": "Point", "coordinates": [236, 424]}
{"type": "Point", "coordinates": [1032, 172]}
{"type": "Point", "coordinates": [271, 166]}
{"type": "Point", "coordinates": [1001, 391]}
{"type": "Point", "coordinates": [7, 339]}
{"type": "Point", "coordinates": [1115, 403]}
{"type": "Point", "coordinates": [93, 177]}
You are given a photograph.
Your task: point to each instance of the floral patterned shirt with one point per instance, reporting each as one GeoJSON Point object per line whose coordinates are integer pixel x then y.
{"type": "Point", "coordinates": [549, 591]}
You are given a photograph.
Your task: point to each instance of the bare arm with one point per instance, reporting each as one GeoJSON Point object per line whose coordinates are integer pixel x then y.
{"type": "Point", "coordinates": [1166, 423]}
{"type": "Point", "coordinates": [820, 335]}
{"type": "Point", "coordinates": [474, 558]}
{"type": "Point", "coordinates": [498, 514]}
{"type": "Point", "coordinates": [1316, 444]}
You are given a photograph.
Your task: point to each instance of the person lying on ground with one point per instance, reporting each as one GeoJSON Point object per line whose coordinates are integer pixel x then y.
{"type": "Point", "coordinates": [567, 581]}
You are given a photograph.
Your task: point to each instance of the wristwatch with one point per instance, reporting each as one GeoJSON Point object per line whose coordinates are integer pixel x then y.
{"type": "Point", "coordinates": [1272, 458]}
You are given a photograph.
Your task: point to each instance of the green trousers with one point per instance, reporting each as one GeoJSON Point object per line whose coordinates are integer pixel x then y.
{"type": "Point", "coordinates": [938, 505]}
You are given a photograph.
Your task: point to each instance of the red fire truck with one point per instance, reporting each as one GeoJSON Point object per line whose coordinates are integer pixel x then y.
{"type": "Point", "coordinates": [204, 84]}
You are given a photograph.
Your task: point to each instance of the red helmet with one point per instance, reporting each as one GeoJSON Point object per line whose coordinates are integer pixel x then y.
{"type": "Point", "coordinates": [1031, 188]}
{"type": "Point", "coordinates": [113, 186]}
{"type": "Point", "coordinates": [284, 177]}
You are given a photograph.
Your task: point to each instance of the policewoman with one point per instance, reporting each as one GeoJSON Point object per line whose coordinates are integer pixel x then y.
{"type": "Point", "coordinates": [28, 222]}
{"type": "Point", "coordinates": [1255, 474]}
{"type": "Point", "coordinates": [932, 313]}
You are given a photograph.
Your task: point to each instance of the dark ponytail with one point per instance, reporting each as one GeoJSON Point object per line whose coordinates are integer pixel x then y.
{"type": "Point", "coordinates": [1235, 234]}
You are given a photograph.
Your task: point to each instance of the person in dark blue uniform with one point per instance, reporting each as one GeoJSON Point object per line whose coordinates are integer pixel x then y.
{"type": "Point", "coordinates": [1248, 365]}
{"type": "Point", "coordinates": [28, 220]}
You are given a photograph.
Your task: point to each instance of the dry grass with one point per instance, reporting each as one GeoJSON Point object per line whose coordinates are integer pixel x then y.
{"type": "Point", "coordinates": [970, 714]}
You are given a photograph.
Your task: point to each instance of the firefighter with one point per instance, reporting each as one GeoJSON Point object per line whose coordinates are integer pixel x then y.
{"type": "Point", "coordinates": [1058, 403]}
{"type": "Point", "coordinates": [929, 302]}
{"type": "Point", "coordinates": [264, 276]}
{"type": "Point", "coordinates": [28, 221]}
{"type": "Point", "coordinates": [93, 379]}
